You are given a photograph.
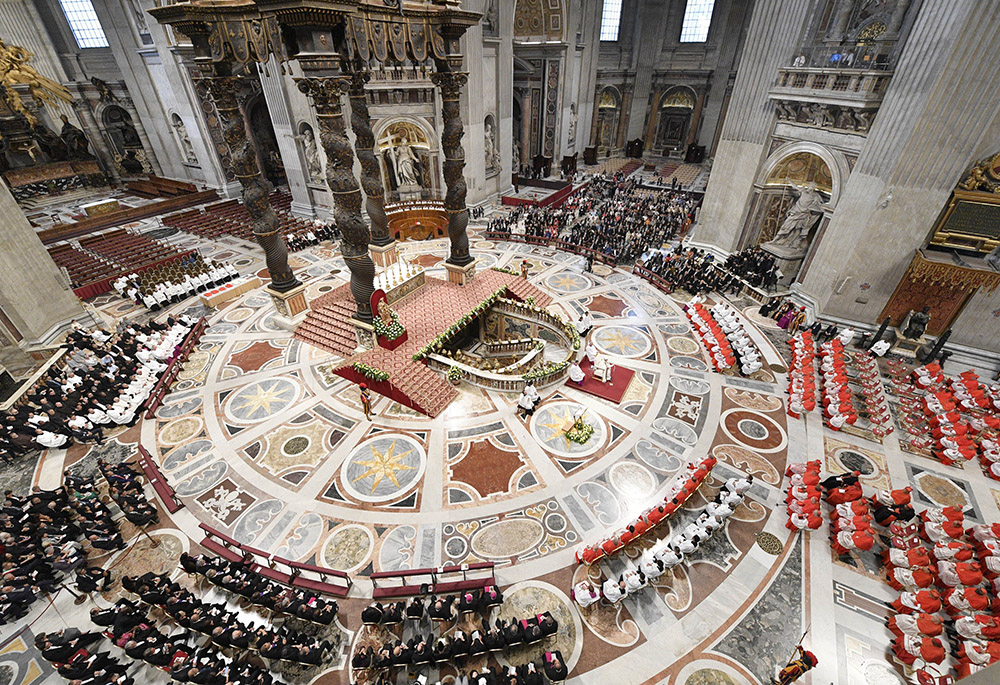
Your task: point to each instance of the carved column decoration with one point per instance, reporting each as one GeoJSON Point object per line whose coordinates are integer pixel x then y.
{"type": "Point", "coordinates": [325, 93]}
{"type": "Point", "coordinates": [371, 171]}
{"type": "Point", "coordinates": [227, 92]}
{"type": "Point", "coordinates": [450, 83]}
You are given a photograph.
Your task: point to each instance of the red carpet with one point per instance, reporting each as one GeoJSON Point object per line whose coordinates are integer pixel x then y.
{"type": "Point", "coordinates": [614, 391]}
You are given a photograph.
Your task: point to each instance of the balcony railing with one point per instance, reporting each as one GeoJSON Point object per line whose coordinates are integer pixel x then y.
{"type": "Point", "coordinates": [860, 88]}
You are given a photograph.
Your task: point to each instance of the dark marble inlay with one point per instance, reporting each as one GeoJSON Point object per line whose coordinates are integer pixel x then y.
{"type": "Point", "coordinates": [478, 430]}
{"type": "Point", "coordinates": [767, 635]}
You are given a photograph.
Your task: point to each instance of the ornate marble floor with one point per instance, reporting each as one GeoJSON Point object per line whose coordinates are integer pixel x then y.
{"type": "Point", "coordinates": [262, 442]}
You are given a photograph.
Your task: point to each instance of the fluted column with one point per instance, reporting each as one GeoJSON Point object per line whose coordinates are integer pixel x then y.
{"type": "Point", "coordinates": [371, 171]}
{"type": "Point", "coordinates": [450, 83]}
{"type": "Point", "coordinates": [227, 91]}
{"type": "Point", "coordinates": [325, 93]}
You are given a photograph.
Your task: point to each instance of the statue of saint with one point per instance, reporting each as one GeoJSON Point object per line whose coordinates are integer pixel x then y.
{"type": "Point", "coordinates": [794, 231]}
{"type": "Point", "coordinates": [75, 139]}
{"type": "Point", "coordinates": [406, 164]}
{"type": "Point", "coordinates": [182, 136]}
{"type": "Point", "coordinates": [314, 167]}
{"type": "Point", "coordinates": [916, 324]}
{"type": "Point", "coordinates": [385, 312]}
{"type": "Point", "coordinates": [491, 153]}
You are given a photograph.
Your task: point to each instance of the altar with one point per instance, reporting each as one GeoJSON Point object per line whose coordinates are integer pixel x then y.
{"type": "Point", "coordinates": [399, 279]}
{"type": "Point", "coordinates": [101, 207]}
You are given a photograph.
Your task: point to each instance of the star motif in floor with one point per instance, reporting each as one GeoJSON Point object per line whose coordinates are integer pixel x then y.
{"type": "Point", "coordinates": [263, 399]}
{"type": "Point", "coordinates": [384, 465]}
{"type": "Point", "coordinates": [567, 282]}
{"type": "Point", "coordinates": [618, 341]}
{"type": "Point", "coordinates": [560, 425]}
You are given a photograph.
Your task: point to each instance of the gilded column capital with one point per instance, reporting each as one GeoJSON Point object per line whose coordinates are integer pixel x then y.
{"type": "Point", "coordinates": [358, 81]}
{"type": "Point", "coordinates": [450, 83]}
{"type": "Point", "coordinates": [324, 90]}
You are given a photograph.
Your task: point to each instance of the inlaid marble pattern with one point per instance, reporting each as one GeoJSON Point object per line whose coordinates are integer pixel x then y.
{"type": "Point", "coordinates": [261, 441]}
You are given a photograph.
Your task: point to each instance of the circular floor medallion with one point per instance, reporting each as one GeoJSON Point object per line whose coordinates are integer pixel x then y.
{"type": "Point", "coordinates": [383, 468]}
{"type": "Point", "coordinates": [769, 543]}
{"type": "Point", "coordinates": [682, 345]}
{"type": "Point", "coordinates": [756, 431]}
{"type": "Point", "coordinates": [624, 341]}
{"type": "Point", "coordinates": [258, 401]}
{"type": "Point", "coordinates": [180, 430]}
{"type": "Point", "coordinates": [550, 422]}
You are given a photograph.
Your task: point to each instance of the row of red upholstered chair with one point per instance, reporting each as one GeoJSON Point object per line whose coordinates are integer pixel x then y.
{"type": "Point", "coordinates": [648, 520]}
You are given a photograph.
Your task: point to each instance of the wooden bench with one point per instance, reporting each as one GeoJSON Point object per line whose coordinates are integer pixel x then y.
{"type": "Point", "coordinates": [263, 564]}
{"type": "Point", "coordinates": [436, 584]}
{"type": "Point", "coordinates": [321, 585]}
{"type": "Point", "coordinates": [225, 546]}
{"type": "Point", "coordinates": [159, 482]}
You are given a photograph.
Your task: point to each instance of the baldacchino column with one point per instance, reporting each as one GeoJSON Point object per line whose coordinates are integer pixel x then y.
{"type": "Point", "coordinates": [326, 92]}
{"type": "Point", "coordinates": [229, 91]}
{"type": "Point", "coordinates": [383, 247]}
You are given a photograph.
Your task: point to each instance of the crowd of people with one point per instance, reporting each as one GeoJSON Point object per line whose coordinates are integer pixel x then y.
{"type": "Point", "coordinates": [41, 538]}
{"type": "Point", "coordinates": [175, 281]}
{"type": "Point", "coordinates": [612, 215]}
{"type": "Point", "coordinates": [125, 488]}
{"type": "Point", "coordinates": [129, 627]}
{"type": "Point", "coordinates": [319, 232]}
{"type": "Point", "coordinates": [755, 266]}
{"type": "Point", "coordinates": [223, 626]}
{"type": "Point", "coordinates": [238, 578]}
{"type": "Point", "coordinates": [667, 553]}
{"type": "Point", "coordinates": [103, 382]}
{"type": "Point", "coordinates": [693, 270]}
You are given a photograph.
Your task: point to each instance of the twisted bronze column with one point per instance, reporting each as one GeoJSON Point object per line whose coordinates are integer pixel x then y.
{"type": "Point", "coordinates": [228, 92]}
{"type": "Point", "coordinates": [371, 172]}
{"type": "Point", "coordinates": [325, 93]}
{"type": "Point", "coordinates": [450, 83]}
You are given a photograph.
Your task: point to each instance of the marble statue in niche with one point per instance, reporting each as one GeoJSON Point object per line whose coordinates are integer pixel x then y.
{"type": "Point", "coordinates": [794, 230]}
{"type": "Point", "coordinates": [314, 166]}
{"type": "Point", "coordinates": [182, 137]}
{"type": "Point", "coordinates": [491, 152]}
{"type": "Point", "coordinates": [406, 165]}
{"type": "Point", "coordinates": [490, 18]}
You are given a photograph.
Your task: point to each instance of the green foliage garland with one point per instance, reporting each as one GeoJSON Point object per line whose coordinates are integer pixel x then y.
{"type": "Point", "coordinates": [545, 370]}
{"type": "Point", "coordinates": [370, 372]}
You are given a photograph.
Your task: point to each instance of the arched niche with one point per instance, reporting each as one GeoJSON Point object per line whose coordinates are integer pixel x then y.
{"type": "Point", "coordinates": [126, 145]}
{"type": "Point", "coordinates": [609, 107]}
{"type": "Point", "coordinates": [673, 118]}
{"type": "Point", "coordinates": [264, 140]}
{"type": "Point", "coordinates": [419, 154]}
{"type": "Point", "coordinates": [781, 178]}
